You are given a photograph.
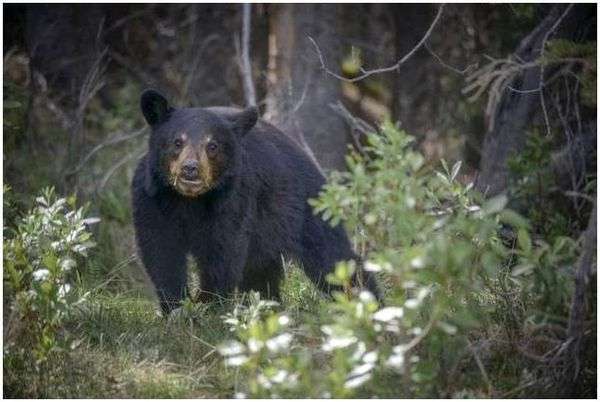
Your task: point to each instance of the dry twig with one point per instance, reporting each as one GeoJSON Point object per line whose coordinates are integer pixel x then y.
{"type": "Point", "coordinates": [481, 367]}
{"type": "Point", "coordinates": [357, 125]}
{"type": "Point", "coordinates": [542, 69]}
{"type": "Point", "coordinates": [118, 165]}
{"type": "Point", "coordinates": [367, 73]}
{"type": "Point", "coordinates": [112, 140]}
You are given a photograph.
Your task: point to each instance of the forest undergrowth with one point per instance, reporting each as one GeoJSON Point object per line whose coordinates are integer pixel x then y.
{"type": "Point", "coordinates": [476, 300]}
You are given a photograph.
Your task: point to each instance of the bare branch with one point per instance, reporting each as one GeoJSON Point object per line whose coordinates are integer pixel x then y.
{"type": "Point", "coordinates": [357, 125]}
{"type": "Point", "coordinates": [367, 73]}
{"type": "Point", "coordinates": [118, 165]}
{"type": "Point", "coordinates": [464, 71]}
{"type": "Point", "coordinates": [355, 122]}
{"type": "Point", "coordinates": [542, 98]}
{"type": "Point", "coordinates": [300, 102]}
{"type": "Point", "coordinates": [481, 367]}
{"type": "Point", "coordinates": [116, 139]}
{"type": "Point", "coordinates": [128, 64]}
{"type": "Point", "coordinates": [196, 61]}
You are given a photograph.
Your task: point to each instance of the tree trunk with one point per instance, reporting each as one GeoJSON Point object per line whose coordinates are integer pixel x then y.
{"type": "Point", "coordinates": [64, 41]}
{"type": "Point", "coordinates": [66, 51]}
{"type": "Point", "coordinates": [575, 359]}
{"type": "Point", "coordinates": [412, 88]}
{"type": "Point", "coordinates": [299, 91]}
{"type": "Point", "coordinates": [513, 115]}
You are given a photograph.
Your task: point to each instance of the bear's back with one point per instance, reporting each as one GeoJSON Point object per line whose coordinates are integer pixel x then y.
{"type": "Point", "coordinates": [275, 154]}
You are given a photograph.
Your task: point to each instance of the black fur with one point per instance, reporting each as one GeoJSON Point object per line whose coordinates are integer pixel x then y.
{"type": "Point", "coordinates": [238, 230]}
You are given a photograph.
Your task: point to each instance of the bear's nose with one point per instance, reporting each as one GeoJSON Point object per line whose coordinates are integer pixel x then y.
{"type": "Point", "coordinates": [190, 169]}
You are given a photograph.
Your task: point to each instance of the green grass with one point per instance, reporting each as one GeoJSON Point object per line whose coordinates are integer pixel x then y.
{"type": "Point", "coordinates": [126, 349]}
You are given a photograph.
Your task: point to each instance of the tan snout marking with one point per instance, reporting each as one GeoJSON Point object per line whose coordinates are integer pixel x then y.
{"type": "Point", "coordinates": [175, 166]}
{"type": "Point", "coordinates": [205, 167]}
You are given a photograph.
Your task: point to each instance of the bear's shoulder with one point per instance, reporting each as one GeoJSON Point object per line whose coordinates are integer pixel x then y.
{"type": "Point", "coordinates": [268, 141]}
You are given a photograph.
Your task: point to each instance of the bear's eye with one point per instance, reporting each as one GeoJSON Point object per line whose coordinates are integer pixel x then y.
{"type": "Point", "coordinates": [178, 142]}
{"type": "Point", "coordinates": [212, 148]}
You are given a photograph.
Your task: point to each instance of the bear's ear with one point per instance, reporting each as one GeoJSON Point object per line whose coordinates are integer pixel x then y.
{"type": "Point", "coordinates": [154, 107]}
{"type": "Point", "coordinates": [243, 121]}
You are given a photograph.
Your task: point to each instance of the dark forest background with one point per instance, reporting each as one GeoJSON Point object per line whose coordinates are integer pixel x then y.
{"type": "Point", "coordinates": [508, 89]}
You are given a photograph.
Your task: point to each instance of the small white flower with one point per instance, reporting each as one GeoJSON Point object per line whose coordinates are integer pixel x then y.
{"type": "Point", "coordinates": [235, 361]}
{"type": "Point", "coordinates": [392, 327]}
{"type": "Point", "coordinates": [264, 381]}
{"type": "Point", "coordinates": [328, 330]}
{"type": "Point", "coordinates": [412, 303]}
{"type": "Point", "coordinates": [362, 369]}
{"type": "Point", "coordinates": [372, 267]}
{"type": "Point", "coordinates": [67, 264]}
{"type": "Point", "coordinates": [231, 348]}
{"type": "Point", "coordinates": [417, 262]}
{"type": "Point", "coordinates": [360, 310]}
{"type": "Point", "coordinates": [357, 381]}
{"type": "Point", "coordinates": [365, 296]}
{"type": "Point", "coordinates": [370, 219]}
{"type": "Point", "coordinates": [439, 223]}
{"type": "Point", "coordinates": [255, 345]}
{"type": "Point", "coordinates": [416, 331]}
{"type": "Point", "coordinates": [338, 341]}
{"type": "Point", "coordinates": [396, 360]}
{"type": "Point", "coordinates": [64, 289]}
{"type": "Point", "coordinates": [81, 249]}
{"type": "Point", "coordinates": [231, 321]}
{"type": "Point", "coordinates": [239, 395]}
{"type": "Point", "coordinates": [280, 342]}
{"type": "Point", "coordinates": [361, 348]}
{"type": "Point", "coordinates": [448, 328]}
{"type": "Point", "coordinates": [388, 313]}
{"type": "Point", "coordinates": [283, 320]}
{"type": "Point", "coordinates": [399, 349]}
{"type": "Point", "coordinates": [40, 274]}
{"type": "Point", "coordinates": [423, 292]}
{"type": "Point", "coordinates": [370, 357]}
{"type": "Point", "coordinates": [91, 221]}
{"type": "Point", "coordinates": [279, 377]}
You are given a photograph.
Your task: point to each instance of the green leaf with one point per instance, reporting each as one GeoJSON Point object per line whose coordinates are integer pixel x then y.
{"type": "Point", "coordinates": [522, 269]}
{"type": "Point", "coordinates": [524, 241]}
{"type": "Point", "coordinates": [512, 218]}
{"type": "Point", "coordinates": [455, 170]}
{"type": "Point", "coordinates": [495, 204]}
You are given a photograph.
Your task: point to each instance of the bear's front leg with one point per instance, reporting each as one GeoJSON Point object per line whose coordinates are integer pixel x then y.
{"type": "Point", "coordinates": [221, 263]}
{"type": "Point", "coordinates": [165, 264]}
{"type": "Point", "coordinates": [163, 253]}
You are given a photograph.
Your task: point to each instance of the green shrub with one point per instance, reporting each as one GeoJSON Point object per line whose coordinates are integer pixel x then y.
{"type": "Point", "coordinates": [438, 248]}
{"type": "Point", "coordinates": [40, 257]}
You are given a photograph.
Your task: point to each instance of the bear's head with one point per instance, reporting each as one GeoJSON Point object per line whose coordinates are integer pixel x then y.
{"type": "Point", "coordinates": [191, 150]}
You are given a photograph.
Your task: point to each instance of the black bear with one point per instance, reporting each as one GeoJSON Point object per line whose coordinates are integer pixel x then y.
{"type": "Point", "coordinates": [231, 191]}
